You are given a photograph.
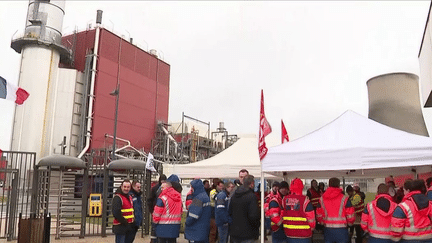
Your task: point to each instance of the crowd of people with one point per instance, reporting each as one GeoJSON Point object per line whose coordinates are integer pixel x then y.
{"type": "Point", "coordinates": [231, 211]}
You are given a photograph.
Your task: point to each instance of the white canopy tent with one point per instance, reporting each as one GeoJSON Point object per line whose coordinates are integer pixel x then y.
{"type": "Point", "coordinates": [351, 146]}
{"type": "Point", "coordinates": [243, 154]}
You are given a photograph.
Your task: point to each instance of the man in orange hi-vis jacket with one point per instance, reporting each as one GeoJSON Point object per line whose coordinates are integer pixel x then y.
{"type": "Point", "coordinates": [411, 220]}
{"type": "Point", "coordinates": [377, 216]}
{"type": "Point", "coordinates": [335, 212]}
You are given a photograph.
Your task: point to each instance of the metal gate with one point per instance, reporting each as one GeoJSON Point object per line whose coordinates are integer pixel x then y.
{"type": "Point", "coordinates": [16, 171]}
{"type": "Point", "coordinates": [93, 184]}
{"type": "Point", "coordinates": [64, 185]}
{"type": "Point", "coordinates": [56, 193]}
{"type": "Point", "coordinates": [98, 177]}
{"type": "Point", "coordinates": [119, 170]}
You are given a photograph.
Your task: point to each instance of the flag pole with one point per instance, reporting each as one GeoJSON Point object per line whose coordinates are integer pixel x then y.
{"type": "Point", "coordinates": [264, 130]}
{"type": "Point", "coordinates": [262, 206]}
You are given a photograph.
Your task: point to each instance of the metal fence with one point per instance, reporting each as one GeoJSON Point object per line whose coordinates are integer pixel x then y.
{"type": "Point", "coordinates": [64, 193]}
{"type": "Point", "coordinates": [16, 172]}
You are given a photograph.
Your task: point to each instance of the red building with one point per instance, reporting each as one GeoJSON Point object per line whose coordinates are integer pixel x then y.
{"type": "Point", "coordinates": [144, 88]}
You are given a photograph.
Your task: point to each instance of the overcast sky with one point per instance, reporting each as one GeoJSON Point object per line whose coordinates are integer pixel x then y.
{"type": "Point", "coordinates": [312, 59]}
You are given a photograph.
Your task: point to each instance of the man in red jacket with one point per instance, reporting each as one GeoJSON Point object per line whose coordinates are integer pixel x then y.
{"type": "Point", "coordinates": [377, 216]}
{"type": "Point", "coordinates": [267, 199]}
{"type": "Point", "coordinates": [298, 214]}
{"type": "Point", "coordinates": [411, 220]}
{"type": "Point", "coordinates": [168, 212]}
{"type": "Point", "coordinates": [335, 212]}
{"type": "Point", "coordinates": [275, 213]}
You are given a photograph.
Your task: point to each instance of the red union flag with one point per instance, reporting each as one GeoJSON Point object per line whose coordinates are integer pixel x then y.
{"type": "Point", "coordinates": [264, 130]}
{"type": "Point", "coordinates": [285, 137]}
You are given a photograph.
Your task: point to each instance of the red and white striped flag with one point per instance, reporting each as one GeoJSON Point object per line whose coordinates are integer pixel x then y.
{"type": "Point", "coordinates": [12, 92]}
{"type": "Point", "coordinates": [264, 130]}
{"type": "Point", "coordinates": [285, 137]}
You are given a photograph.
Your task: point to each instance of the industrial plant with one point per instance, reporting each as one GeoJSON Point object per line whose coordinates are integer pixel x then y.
{"type": "Point", "coordinates": [96, 98]}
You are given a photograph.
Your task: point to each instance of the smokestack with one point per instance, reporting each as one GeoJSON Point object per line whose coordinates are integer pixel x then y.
{"type": "Point", "coordinates": [394, 101]}
{"type": "Point", "coordinates": [99, 17]}
{"type": "Point", "coordinates": [41, 51]}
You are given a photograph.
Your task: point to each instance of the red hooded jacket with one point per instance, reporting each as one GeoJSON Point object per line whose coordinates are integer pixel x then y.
{"type": "Point", "coordinates": [375, 220]}
{"type": "Point", "coordinates": [335, 209]}
{"type": "Point", "coordinates": [411, 218]}
{"type": "Point", "coordinates": [170, 210]}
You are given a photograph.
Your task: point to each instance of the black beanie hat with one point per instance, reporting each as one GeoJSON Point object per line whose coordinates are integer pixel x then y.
{"type": "Point", "coordinates": [283, 184]}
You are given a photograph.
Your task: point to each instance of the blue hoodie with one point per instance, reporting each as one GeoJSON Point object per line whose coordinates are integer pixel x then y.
{"type": "Point", "coordinates": [221, 209]}
{"type": "Point", "coordinates": [199, 213]}
{"type": "Point", "coordinates": [137, 204]}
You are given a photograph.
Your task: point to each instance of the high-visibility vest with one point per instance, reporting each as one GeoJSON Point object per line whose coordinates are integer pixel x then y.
{"type": "Point", "coordinates": [267, 200]}
{"type": "Point", "coordinates": [376, 224]}
{"type": "Point", "coordinates": [339, 220]}
{"type": "Point", "coordinates": [315, 197]}
{"type": "Point", "coordinates": [275, 213]}
{"type": "Point", "coordinates": [418, 227]}
{"type": "Point", "coordinates": [359, 207]}
{"type": "Point", "coordinates": [213, 194]}
{"type": "Point", "coordinates": [295, 221]}
{"type": "Point", "coordinates": [126, 209]}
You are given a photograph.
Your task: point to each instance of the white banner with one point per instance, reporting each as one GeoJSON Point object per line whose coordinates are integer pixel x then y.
{"type": "Point", "coordinates": [150, 163]}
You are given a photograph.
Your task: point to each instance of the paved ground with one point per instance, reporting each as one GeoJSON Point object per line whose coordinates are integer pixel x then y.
{"type": "Point", "coordinates": [110, 239]}
{"type": "Point", "coordinates": [89, 239]}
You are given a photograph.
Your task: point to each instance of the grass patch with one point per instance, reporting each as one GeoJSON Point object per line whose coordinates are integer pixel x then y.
{"type": "Point", "coordinates": [370, 196]}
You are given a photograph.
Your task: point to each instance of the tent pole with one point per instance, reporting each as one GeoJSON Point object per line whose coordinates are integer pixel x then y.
{"type": "Point", "coordinates": [262, 206]}
{"type": "Point", "coordinates": [343, 184]}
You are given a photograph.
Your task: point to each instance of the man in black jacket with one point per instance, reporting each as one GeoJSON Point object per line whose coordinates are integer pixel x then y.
{"type": "Point", "coordinates": [245, 213]}
{"type": "Point", "coordinates": [122, 210]}
{"type": "Point", "coordinates": [151, 202]}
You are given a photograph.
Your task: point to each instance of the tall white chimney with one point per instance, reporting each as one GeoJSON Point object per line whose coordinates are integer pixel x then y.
{"type": "Point", "coordinates": [41, 50]}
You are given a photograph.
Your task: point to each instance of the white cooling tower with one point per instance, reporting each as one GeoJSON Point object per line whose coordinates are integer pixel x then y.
{"type": "Point", "coordinates": [394, 101]}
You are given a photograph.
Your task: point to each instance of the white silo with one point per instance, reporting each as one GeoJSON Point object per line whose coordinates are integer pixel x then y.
{"type": "Point", "coordinates": [41, 51]}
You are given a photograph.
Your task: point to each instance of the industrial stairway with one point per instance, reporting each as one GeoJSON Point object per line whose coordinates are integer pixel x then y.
{"type": "Point", "coordinates": [67, 202]}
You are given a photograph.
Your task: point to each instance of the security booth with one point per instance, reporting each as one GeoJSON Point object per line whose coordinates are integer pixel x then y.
{"type": "Point", "coordinates": [119, 170]}
{"type": "Point", "coordinates": [58, 191]}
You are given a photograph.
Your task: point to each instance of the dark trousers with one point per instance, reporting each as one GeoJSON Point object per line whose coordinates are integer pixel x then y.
{"type": "Point", "coordinates": [127, 238]}
{"type": "Point", "coordinates": [359, 233]}
{"type": "Point", "coordinates": [378, 240]}
{"type": "Point", "coordinates": [336, 235]}
{"type": "Point", "coordinates": [299, 240]}
{"type": "Point", "coordinates": [235, 240]}
{"type": "Point", "coordinates": [167, 240]}
{"type": "Point", "coordinates": [223, 233]}
{"type": "Point", "coordinates": [153, 237]}
{"type": "Point", "coordinates": [133, 234]}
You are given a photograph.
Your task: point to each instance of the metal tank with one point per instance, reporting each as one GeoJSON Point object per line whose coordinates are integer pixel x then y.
{"type": "Point", "coordinates": [41, 51]}
{"type": "Point", "coordinates": [394, 101]}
